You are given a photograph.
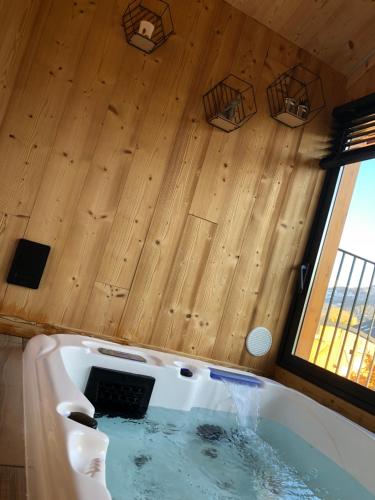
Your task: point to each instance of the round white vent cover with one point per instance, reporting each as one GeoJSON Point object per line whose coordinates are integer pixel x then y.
{"type": "Point", "coordinates": [259, 341]}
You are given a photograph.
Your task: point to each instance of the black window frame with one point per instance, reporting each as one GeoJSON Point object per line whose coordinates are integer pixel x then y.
{"type": "Point", "coordinates": [347, 390]}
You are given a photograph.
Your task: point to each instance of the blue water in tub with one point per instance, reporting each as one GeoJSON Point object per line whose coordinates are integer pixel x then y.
{"type": "Point", "coordinates": [206, 455]}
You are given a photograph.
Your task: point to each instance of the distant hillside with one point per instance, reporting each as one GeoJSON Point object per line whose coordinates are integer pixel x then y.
{"type": "Point", "coordinates": [367, 320]}
{"type": "Point", "coordinates": [350, 297]}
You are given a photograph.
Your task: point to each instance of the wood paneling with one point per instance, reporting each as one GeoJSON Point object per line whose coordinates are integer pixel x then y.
{"type": "Point", "coordinates": [17, 23]}
{"type": "Point", "coordinates": [164, 231]}
{"type": "Point", "coordinates": [12, 448]}
{"type": "Point", "coordinates": [178, 304]}
{"type": "Point", "coordinates": [12, 483]}
{"type": "Point", "coordinates": [104, 308]}
{"type": "Point", "coordinates": [339, 32]}
{"type": "Point", "coordinates": [363, 86]}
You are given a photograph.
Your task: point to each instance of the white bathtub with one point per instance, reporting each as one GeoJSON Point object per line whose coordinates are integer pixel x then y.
{"type": "Point", "coordinates": [61, 453]}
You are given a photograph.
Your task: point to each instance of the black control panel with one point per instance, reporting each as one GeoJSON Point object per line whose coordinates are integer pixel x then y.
{"type": "Point", "coordinates": [28, 264]}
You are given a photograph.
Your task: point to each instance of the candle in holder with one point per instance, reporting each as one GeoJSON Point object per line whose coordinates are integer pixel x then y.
{"type": "Point", "coordinates": [290, 105]}
{"type": "Point", "coordinates": [146, 29]}
{"type": "Point", "coordinates": [303, 110]}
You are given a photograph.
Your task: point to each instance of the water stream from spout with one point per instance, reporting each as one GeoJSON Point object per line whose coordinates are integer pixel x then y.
{"type": "Point", "coordinates": [246, 401]}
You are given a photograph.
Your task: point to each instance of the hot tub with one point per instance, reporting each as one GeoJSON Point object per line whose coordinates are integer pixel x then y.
{"type": "Point", "coordinates": [66, 460]}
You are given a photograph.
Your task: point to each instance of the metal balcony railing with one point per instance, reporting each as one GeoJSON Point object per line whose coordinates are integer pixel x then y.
{"type": "Point", "coordinates": [345, 340]}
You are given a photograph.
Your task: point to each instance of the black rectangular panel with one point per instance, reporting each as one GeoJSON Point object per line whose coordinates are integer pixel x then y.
{"type": "Point", "coordinates": [28, 264]}
{"type": "Point", "coordinates": [119, 394]}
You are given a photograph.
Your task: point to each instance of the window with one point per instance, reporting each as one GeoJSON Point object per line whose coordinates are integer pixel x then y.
{"type": "Point", "coordinates": [330, 335]}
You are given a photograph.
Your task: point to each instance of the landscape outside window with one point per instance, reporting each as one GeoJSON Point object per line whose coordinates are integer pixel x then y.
{"type": "Point", "coordinates": [344, 340]}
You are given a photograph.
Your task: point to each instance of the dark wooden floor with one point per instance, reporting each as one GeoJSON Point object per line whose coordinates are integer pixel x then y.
{"type": "Point", "coordinates": [12, 451]}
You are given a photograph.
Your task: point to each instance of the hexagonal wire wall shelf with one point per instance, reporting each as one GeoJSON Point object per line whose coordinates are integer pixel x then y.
{"type": "Point", "coordinates": [147, 24]}
{"type": "Point", "coordinates": [230, 103]}
{"type": "Point", "coordinates": [296, 97]}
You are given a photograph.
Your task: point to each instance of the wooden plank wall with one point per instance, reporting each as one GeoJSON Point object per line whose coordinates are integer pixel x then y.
{"type": "Point", "coordinates": [339, 32]}
{"type": "Point", "coordinates": [12, 446]}
{"type": "Point", "coordinates": [17, 21]}
{"type": "Point", "coordinates": [164, 231]}
{"type": "Point", "coordinates": [362, 86]}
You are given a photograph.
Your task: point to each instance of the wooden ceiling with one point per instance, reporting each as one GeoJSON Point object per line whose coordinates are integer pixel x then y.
{"type": "Point", "coordinates": [339, 32]}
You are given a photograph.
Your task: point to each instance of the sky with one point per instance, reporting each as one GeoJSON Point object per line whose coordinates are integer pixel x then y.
{"type": "Point", "coordinates": [359, 231]}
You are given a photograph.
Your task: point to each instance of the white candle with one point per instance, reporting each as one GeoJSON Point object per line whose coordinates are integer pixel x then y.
{"type": "Point", "coordinates": [146, 29]}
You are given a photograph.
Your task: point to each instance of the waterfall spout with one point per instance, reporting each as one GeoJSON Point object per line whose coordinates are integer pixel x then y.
{"type": "Point", "coordinates": [244, 392]}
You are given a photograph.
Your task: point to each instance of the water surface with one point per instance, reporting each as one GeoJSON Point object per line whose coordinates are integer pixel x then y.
{"type": "Point", "coordinates": [205, 455]}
